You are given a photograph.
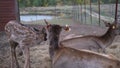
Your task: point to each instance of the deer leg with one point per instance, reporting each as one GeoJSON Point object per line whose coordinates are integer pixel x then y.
{"type": "Point", "coordinates": [16, 61]}
{"type": "Point", "coordinates": [12, 50]}
{"type": "Point", "coordinates": [13, 54]}
{"type": "Point", "coordinates": [26, 54]}
{"type": "Point", "coordinates": [51, 52]}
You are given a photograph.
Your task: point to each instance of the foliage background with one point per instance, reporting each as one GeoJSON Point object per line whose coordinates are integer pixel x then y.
{"type": "Point", "coordinates": [45, 3]}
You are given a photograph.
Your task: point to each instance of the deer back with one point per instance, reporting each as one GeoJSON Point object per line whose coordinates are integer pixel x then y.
{"type": "Point", "coordinates": [85, 42]}
{"type": "Point", "coordinates": [71, 58]}
{"type": "Point", "coordinates": [21, 33]}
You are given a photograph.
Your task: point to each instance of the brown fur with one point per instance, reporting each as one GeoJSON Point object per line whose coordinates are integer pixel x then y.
{"type": "Point", "coordinates": [66, 57]}
{"type": "Point", "coordinates": [72, 58]}
{"type": "Point", "coordinates": [94, 43]}
{"type": "Point", "coordinates": [23, 36]}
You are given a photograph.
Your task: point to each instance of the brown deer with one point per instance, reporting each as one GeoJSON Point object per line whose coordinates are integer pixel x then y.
{"type": "Point", "coordinates": [95, 43]}
{"type": "Point", "coordinates": [23, 36]}
{"type": "Point", "coordinates": [66, 57]}
{"type": "Point", "coordinates": [53, 35]}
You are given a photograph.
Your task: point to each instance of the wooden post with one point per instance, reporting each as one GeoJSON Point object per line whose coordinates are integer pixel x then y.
{"type": "Point", "coordinates": [116, 9]}
{"type": "Point", "coordinates": [85, 9]}
{"type": "Point", "coordinates": [99, 10]}
{"type": "Point", "coordinates": [90, 12]}
{"type": "Point", "coordinates": [81, 13]}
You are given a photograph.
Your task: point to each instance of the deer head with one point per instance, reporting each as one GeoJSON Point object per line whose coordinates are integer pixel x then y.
{"type": "Point", "coordinates": [115, 27]}
{"type": "Point", "coordinates": [66, 28]}
{"type": "Point", "coordinates": [40, 34]}
{"type": "Point", "coordinates": [54, 29]}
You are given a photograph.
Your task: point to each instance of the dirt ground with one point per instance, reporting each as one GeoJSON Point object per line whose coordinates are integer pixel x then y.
{"type": "Point", "coordinates": [39, 55]}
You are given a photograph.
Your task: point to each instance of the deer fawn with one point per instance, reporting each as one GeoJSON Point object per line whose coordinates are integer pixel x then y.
{"type": "Point", "coordinates": [95, 43]}
{"type": "Point", "coordinates": [24, 37]}
{"type": "Point", "coordinates": [66, 57]}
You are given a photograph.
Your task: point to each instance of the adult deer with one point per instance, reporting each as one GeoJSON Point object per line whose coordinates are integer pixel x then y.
{"type": "Point", "coordinates": [95, 43]}
{"type": "Point", "coordinates": [53, 35]}
{"type": "Point", "coordinates": [24, 37]}
{"type": "Point", "coordinates": [66, 57]}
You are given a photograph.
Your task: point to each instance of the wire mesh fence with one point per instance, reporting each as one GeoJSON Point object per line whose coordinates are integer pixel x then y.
{"type": "Point", "coordinates": [85, 12]}
{"type": "Point", "coordinates": [94, 13]}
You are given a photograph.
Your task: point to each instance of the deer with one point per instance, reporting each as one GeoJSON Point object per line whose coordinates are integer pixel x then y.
{"type": "Point", "coordinates": [23, 36]}
{"type": "Point", "coordinates": [94, 43]}
{"type": "Point", "coordinates": [68, 57]}
{"type": "Point", "coordinates": [53, 32]}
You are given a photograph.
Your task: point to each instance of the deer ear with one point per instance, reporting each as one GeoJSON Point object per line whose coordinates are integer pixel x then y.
{"type": "Point", "coordinates": [113, 27]}
{"type": "Point", "coordinates": [107, 24]}
{"type": "Point", "coordinates": [48, 25]}
{"type": "Point", "coordinates": [46, 22]}
{"type": "Point", "coordinates": [66, 28]}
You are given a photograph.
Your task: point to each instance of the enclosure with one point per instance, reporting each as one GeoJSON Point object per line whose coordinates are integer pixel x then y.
{"type": "Point", "coordinates": [85, 16]}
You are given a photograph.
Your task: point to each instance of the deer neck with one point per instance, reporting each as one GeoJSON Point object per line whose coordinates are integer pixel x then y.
{"type": "Point", "coordinates": [108, 37]}
{"type": "Point", "coordinates": [54, 41]}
